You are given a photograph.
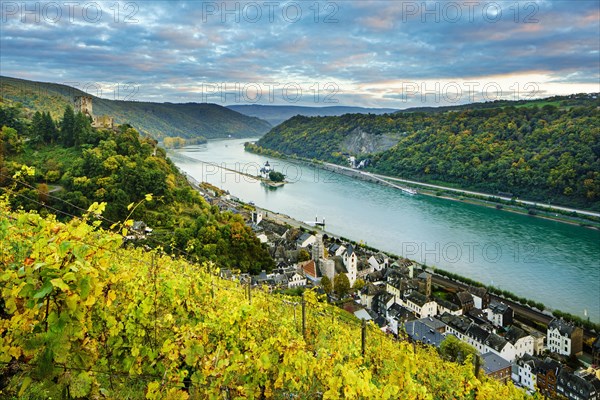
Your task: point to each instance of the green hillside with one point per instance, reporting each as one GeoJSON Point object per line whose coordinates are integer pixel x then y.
{"type": "Point", "coordinates": [565, 102]}
{"type": "Point", "coordinates": [83, 317]}
{"type": "Point", "coordinates": [157, 120]}
{"type": "Point", "coordinates": [73, 170]}
{"type": "Point", "coordinates": [547, 153]}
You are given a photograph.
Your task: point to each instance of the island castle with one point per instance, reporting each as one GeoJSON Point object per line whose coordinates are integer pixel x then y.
{"type": "Point", "coordinates": [83, 104]}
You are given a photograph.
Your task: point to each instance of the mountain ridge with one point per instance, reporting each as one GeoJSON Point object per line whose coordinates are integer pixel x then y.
{"type": "Point", "coordinates": [276, 114]}
{"type": "Point", "coordinates": [157, 120]}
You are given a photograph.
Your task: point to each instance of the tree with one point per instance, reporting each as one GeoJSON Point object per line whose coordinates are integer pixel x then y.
{"type": "Point", "coordinates": [303, 255]}
{"type": "Point", "coordinates": [82, 132]}
{"type": "Point", "coordinates": [67, 127]}
{"type": "Point", "coordinates": [276, 176]}
{"type": "Point", "coordinates": [49, 131]}
{"type": "Point", "coordinates": [341, 285]}
{"type": "Point", "coordinates": [453, 349]}
{"type": "Point", "coordinates": [36, 130]}
{"type": "Point", "coordinates": [11, 117]}
{"type": "Point", "coordinates": [326, 284]}
{"type": "Point", "coordinates": [10, 141]}
{"type": "Point", "coordinates": [359, 284]}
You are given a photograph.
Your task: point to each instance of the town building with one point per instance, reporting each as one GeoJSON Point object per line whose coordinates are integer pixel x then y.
{"type": "Point", "coordinates": [496, 367]}
{"type": "Point", "coordinates": [564, 337]}
{"type": "Point", "coordinates": [578, 386]}
{"type": "Point", "coordinates": [500, 314]}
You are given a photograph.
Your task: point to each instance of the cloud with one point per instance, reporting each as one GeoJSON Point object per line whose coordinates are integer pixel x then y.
{"type": "Point", "coordinates": [173, 48]}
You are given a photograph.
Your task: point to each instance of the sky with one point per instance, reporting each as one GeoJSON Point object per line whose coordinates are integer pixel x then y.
{"type": "Point", "coordinates": [391, 53]}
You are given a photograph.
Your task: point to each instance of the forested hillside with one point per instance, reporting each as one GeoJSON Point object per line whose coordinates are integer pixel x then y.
{"type": "Point", "coordinates": [547, 154]}
{"type": "Point", "coordinates": [74, 165]}
{"type": "Point", "coordinates": [158, 120]}
{"type": "Point", "coordinates": [83, 317]}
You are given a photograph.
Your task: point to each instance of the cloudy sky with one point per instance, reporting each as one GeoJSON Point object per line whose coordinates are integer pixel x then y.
{"type": "Point", "coordinates": [320, 53]}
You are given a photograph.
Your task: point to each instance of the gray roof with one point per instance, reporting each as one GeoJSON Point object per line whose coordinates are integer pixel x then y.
{"type": "Point", "coordinates": [583, 385]}
{"type": "Point", "coordinates": [459, 323]}
{"type": "Point", "coordinates": [515, 333]}
{"type": "Point", "coordinates": [477, 291]}
{"type": "Point", "coordinates": [419, 331]}
{"type": "Point", "coordinates": [370, 289]}
{"type": "Point", "coordinates": [417, 298]}
{"type": "Point", "coordinates": [464, 298]}
{"type": "Point", "coordinates": [447, 304]}
{"type": "Point", "coordinates": [382, 297]}
{"type": "Point", "coordinates": [547, 365]}
{"type": "Point", "coordinates": [493, 363]}
{"type": "Point", "coordinates": [495, 342]}
{"type": "Point", "coordinates": [362, 314]}
{"type": "Point", "coordinates": [498, 308]}
{"type": "Point", "coordinates": [530, 360]}
{"type": "Point", "coordinates": [399, 313]}
{"type": "Point", "coordinates": [303, 237]}
{"type": "Point", "coordinates": [423, 275]}
{"type": "Point", "coordinates": [477, 333]}
{"type": "Point", "coordinates": [433, 323]}
{"type": "Point", "coordinates": [333, 248]}
{"type": "Point", "coordinates": [350, 249]}
{"type": "Point", "coordinates": [565, 328]}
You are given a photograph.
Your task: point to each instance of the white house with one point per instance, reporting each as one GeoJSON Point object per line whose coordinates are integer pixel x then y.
{"type": "Point", "coordinates": [296, 280]}
{"type": "Point", "coordinates": [523, 342]}
{"type": "Point", "coordinates": [527, 374]}
{"type": "Point", "coordinates": [336, 250]}
{"type": "Point", "coordinates": [500, 346]}
{"type": "Point", "coordinates": [367, 294]}
{"type": "Point", "coordinates": [305, 240]}
{"type": "Point", "coordinates": [373, 263]}
{"type": "Point", "coordinates": [500, 314]}
{"type": "Point", "coordinates": [564, 338]}
{"type": "Point", "coordinates": [420, 305]}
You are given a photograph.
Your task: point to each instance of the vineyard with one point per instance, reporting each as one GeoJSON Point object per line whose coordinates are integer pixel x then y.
{"type": "Point", "coordinates": [83, 317]}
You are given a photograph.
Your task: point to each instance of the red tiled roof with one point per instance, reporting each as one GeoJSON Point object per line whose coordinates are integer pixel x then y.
{"type": "Point", "coordinates": [310, 268]}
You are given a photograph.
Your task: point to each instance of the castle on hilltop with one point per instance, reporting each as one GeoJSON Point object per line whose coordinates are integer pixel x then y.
{"type": "Point", "coordinates": [83, 104]}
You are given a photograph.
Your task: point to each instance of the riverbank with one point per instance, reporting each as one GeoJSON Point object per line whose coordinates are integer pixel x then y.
{"type": "Point", "coordinates": [583, 218]}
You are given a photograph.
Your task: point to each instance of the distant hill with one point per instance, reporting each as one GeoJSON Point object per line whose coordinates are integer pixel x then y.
{"type": "Point", "coordinates": [187, 120]}
{"type": "Point", "coordinates": [277, 114]}
{"type": "Point", "coordinates": [569, 101]}
{"type": "Point", "coordinates": [544, 150]}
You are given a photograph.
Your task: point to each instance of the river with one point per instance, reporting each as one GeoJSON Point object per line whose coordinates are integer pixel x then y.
{"type": "Point", "coordinates": [552, 262]}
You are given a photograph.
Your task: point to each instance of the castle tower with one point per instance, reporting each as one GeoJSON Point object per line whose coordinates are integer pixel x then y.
{"type": "Point", "coordinates": [318, 249]}
{"type": "Point", "coordinates": [83, 104]}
